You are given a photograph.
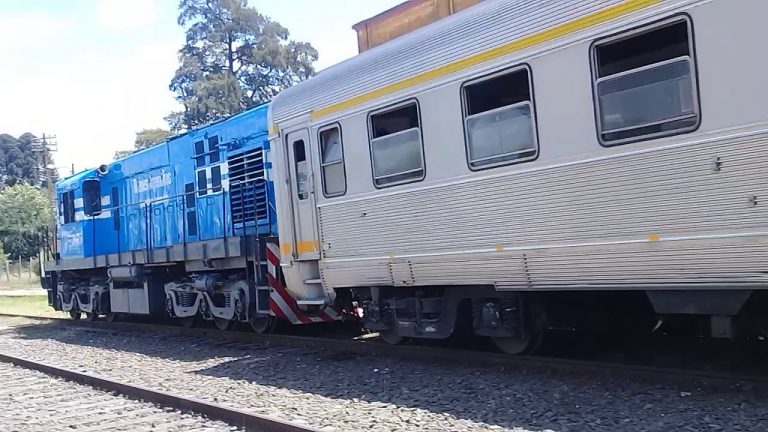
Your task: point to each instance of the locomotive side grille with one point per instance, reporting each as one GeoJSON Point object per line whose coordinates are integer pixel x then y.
{"type": "Point", "coordinates": [248, 194]}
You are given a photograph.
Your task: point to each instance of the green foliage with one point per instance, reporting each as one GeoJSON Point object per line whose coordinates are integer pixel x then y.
{"type": "Point", "coordinates": [147, 138]}
{"type": "Point", "coordinates": [24, 211]}
{"type": "Point", "coordinates": [119, 154]}
{"type": "Point", "coordinates": [18, 163]}
{"type": "Point", "coordinates": [234, 58]}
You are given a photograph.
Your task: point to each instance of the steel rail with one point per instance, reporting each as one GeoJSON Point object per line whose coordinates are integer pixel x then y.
{"type": "Point", "coordinates": [452, 357]}
{"type": "Point", "coordinates": [232, 416]}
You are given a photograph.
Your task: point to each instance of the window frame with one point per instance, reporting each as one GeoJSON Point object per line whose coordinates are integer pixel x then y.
{"type": "Point", "coordinates": [342, 161]}
{"type": "Point", "coordinates": [465, 110]}
{"type": "Point", "coordinates": [628, 34]}
{"type": "Point", "coordinates": [389, 108]}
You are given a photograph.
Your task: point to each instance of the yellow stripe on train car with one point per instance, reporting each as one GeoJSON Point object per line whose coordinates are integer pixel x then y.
{"type": "Point", "coordinates": [624, 8]}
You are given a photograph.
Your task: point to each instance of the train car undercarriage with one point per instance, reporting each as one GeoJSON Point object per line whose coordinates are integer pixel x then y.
{"type": "Point", "coordinates": [517, 321]}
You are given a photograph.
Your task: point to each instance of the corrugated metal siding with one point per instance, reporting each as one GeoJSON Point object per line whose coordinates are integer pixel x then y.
{"type": "Point", "coordinates": [673, 192]}
{"type": "Point", "coordinates": [487, 25]}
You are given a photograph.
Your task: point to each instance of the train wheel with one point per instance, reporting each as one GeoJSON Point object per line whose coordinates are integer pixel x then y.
{"type": "Point", "coordinates": [264, 324]}
{"type": "Point", "coordinates": [91, 316]}
{"type": "Point", "coordinates": [391, 338]}
{"type": "Point", "coordinates": [222, 323]}
{"type": "Point", "coordinates": [75, 315]}
{"type": "Point", "coordinates": [533, 330]}
{"type": "Point", "coordinates": [517, 346]}
{"type": "Point", "coordinates": [112, 317]}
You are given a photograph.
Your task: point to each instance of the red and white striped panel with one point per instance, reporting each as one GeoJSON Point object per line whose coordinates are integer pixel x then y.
{"type": "Point", "coordinates": [281, 303]}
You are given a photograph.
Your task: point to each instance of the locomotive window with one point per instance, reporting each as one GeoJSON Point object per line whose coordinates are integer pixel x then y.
{"type": "Point", "coordinates": [397, 154]}
{"type": "Point", "coordinates": [116, 208]}
{"type": "Point", "coordinates": [499, 120]}
{"type": "Point", "coordinates": [91, 197]}
{"type": "Point", "coordinates": [189, 189]}
{"type": "Point", "coordinates": [332, 162]}
{"type": "Point", "coordinates": [191, 223]}
{"type": "Point", "coordinates": [202, 183]}
{"type": "Point", "coordinates": [645, 83]}
{"type": "Point", "coordinates": [302, 171]}
{"type": "Point", "coordinates": [199, 154]}
{"type": "Point", "coordinates": [213, 148]}
{"type": "Point", "coordinates": [216, 178]}
{"type": "Point", "coordinates": [68, 207]}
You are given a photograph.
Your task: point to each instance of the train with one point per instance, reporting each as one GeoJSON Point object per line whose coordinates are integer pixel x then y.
{"type": "Point", "coordinates": [515, 167]}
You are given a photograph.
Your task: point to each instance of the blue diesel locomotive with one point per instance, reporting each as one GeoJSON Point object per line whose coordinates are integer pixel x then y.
{"type": "Point", "coordinates": [185, 228]}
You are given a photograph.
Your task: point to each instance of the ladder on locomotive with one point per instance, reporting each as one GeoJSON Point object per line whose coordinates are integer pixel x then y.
{"type": "Point", "coordinates": [245, 217]}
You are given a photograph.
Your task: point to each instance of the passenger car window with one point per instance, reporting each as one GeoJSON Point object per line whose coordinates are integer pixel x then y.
{"type": "Point", "coordinates": [645, 83]}
{"type": "Point", "coordinates": [499, 119]}
{"type": "Point", "coordinates": [332, 162]}
{"type": "Point", "coordinates": [396, 149]}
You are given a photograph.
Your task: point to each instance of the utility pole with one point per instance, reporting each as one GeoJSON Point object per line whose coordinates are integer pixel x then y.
{"type": "Point", "coordinates": [44, 146]}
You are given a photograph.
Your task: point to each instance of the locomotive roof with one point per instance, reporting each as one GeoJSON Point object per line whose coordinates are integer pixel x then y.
{"type": "Point", "coordinates": [472, 36]}
{"type": "Point", "coordinates": [76, 179]}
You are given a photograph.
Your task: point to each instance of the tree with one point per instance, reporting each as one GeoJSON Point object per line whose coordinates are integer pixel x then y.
{"type": "Point", "coordinates": [18, 161]}
{"type": "Point", "coordinates": [147, 138]}
{"type": "Point", "coordinates": [234, 58]}
{"type": "Point", "coordinates": [24, 212]}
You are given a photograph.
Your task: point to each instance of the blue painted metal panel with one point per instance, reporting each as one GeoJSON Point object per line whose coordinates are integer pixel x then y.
{"type": "Point", "coordinates": [176, 191]}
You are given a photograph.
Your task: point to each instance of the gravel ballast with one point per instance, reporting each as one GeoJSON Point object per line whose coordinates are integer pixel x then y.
{"type": "Point", "coordinates": [353, 393]}
{"type": "Point", "coordinates": [34, 401]}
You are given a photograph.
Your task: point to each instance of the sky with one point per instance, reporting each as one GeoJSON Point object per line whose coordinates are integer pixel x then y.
{"type": "Point", "coordinates": [93, 72]}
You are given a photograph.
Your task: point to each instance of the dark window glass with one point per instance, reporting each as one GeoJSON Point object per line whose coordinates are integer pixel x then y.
{"type": "Point", "coordinates": [213, 148]}
{"type": "Point", "coordinates": [91, 197]}
{"type": "Point", "coordinates": [192, 223]}
{"type": "Point", "coordinates": [202, 183]}
{"type": "Point", "coordinates": [189, 189]}
{"type": "Point", "coordinates": [396, 120]}
{"type": "Point", "coordinates": [497, 92]}
{"type": "Point", "coordinates": [302, 170]}
{"type": "Point", "coordinates": [68, 207]}
{"type": "Point", "coordinates": [116, 208]}
{"type": "Point", "coordinates": [200, 154]}
{"type": "Point", "coordinates": [216, 178]}
{"type": "Point", "coordinates": [643, 49]}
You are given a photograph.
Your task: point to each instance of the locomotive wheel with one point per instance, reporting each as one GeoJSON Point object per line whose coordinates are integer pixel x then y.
{"type": "Point", "coordinates": [264, 324]}
{"type": "Point", "coordinates": [112, 317]}
{"type": "Point", "coordinates": [90, 316]}
{"type": "Point", "coordinates": [222, 323]}
{"type": "Point", "coordinates": [75, 315]}
{"type": "Point", "coordinates": [518, 346]}
{"type": "Point", "coordinates": [392, 339]}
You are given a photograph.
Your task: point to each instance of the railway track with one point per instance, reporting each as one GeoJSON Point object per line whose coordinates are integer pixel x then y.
{"type": "Point", "coordinates": [40, 396]}
{"type": "Point", "coordinates": [366, 345]}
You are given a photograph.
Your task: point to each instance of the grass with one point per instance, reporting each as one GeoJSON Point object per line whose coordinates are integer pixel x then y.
{"type": "Point", "coordinates": [27, 305]}
{"type": "Point", "coordinates": [21, 283]}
